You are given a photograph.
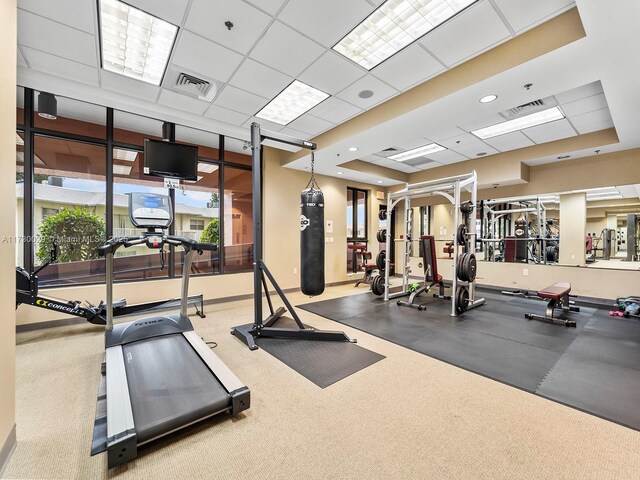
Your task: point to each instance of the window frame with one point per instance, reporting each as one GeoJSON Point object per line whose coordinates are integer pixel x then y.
{"type": "Point", "coordinates": [30, 131]}
{"type": "Point", "coordinates": [352, 194]}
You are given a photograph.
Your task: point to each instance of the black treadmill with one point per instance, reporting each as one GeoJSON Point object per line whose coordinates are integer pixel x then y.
{"type": "Point", "coordinates": [159, 375]}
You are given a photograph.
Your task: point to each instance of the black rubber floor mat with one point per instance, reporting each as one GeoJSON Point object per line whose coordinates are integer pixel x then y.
{"type": "Point", "coordinates": [323, 363]}
{"type": "Point", "coordinates": [594, 367]}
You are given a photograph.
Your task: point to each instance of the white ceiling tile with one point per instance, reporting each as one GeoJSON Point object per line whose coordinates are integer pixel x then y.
{"type": "Point", "coordinates": [585, 105]}
{"type": "Point", "coordinates": [171, 11]}
{"type": "Point", "coordinates": [240, 101]}
{"type": "Point", "coordinates": [264, 81]}
{"type": "Point", "coordinates": [52, 37]}
{"type": "Point", "coordinates": [509, 141]}
{"type": "Point", "coordinates": [550, 131]}
{"type": "Point", "coordinates": [182, 102]}
{"type": "Point", "coordinates": [461, 140]}
{"type": "Point", "coordinates": [129, 86]}
{"type": "Point", "coordinates": [286, 50]}
{"type": "Point", "coordinates": [226, 115]}
{"type": "Point", "coordinates": [439, 136]}
{"type": "Point", "coordinates": [474, 30]}
{"type": "Point", "coordinates": [295, 133]}
{"type": "Point", "coordinates": [21, 61]}
{"type": "Point", "coordinates": [207, 18]}
{"type": "Point", "coordinates": [334, 110]}
{"type": "Point", "coordinates": [447, 156]}
{"type": "Point", "coordinates": [82, 18]}
{"type": "Point", "coordinates": [381, 91]}
{"type": "Point", "coordinates": [332, 73]}
{"type": "Point", "coordinates": [61, 67]}
{"type": "Point", "coordinates": [593, 121]}
{"type": "Point", "coordinates": [523, 14]}
{"type": "Point", "coordinates": [264, 124]}
{"type": "Point", "coordinates": [309, 124]}
{"type": "Point", "coordinates": [471, 150]}
{"type": "Point", "coordinates": [408, 67]}
{"type": "Point", "coordinates": [202, 56]}
{"type": "Point", "coordinates": [326, 21]}
{"type": "Point", "coordinates": [269, 6]}
{"type": "Point", "coordinates": [579, 93]}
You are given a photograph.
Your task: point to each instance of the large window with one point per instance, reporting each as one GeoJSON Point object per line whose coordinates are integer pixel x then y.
{"type": "Point", "coordinates": [356, 215]}
{"type": "Point", "coordinates": [67, 197]}
{"type": "Point", "coordinates": [69, 206]}
{"type": "Point", "coordinates": [238, 220]}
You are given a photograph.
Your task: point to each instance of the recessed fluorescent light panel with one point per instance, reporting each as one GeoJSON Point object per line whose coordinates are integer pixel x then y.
{"type": "Point", "coordinates": [393, 26]}
{"type": "Point", "coordinates": [134, 43]}
{"type": "Point", "coordinates": [417, 152]}
{"type": "Point", "coordinates": [292, 102]}
{"type": "Point", "coordinates": [531, 120]}
{"type": "Point", "coordinates": [121, 170]}
{"type": "Point", "coordinates": [127, 155]}
{"type": "Point", "coordinates": [207, 167]}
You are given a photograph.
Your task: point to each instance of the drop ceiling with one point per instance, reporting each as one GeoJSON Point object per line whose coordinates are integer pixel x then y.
{"type": "Point", "coordinates": [274, 42]}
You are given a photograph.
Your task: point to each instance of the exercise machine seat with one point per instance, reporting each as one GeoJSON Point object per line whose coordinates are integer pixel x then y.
{"type": "Point", "coordinates": [558, 296]}
{"type": "Point", "coordinates": [437, 278]}
{"type": "Point", "coordinates": [555, 291]}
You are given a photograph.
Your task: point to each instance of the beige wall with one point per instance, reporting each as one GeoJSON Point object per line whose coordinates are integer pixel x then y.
{"type": "Point", "coordinates": [573, 228]}
{"type": "Point", "coordinates": [8, 41]}
{"type": "Point", "coordinates": [587, 282]}
{"type": "Point", "coordinates": [282, 187]}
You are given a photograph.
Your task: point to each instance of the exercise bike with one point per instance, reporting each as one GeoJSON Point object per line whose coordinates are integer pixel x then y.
{"type": "Point", "coordinates": [27, 293]}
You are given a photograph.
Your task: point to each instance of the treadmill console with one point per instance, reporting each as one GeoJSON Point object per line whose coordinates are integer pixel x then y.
{"type": "Point", "coordinates": [150, 210]}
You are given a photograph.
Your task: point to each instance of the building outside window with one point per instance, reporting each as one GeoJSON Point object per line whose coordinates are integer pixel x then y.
{"type": "Point", "coordinates": [68, 194]}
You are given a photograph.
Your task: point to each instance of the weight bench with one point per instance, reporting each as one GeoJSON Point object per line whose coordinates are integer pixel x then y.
{"type": "Point", "coordinates": [448, 249]}
{"type": "Point", "coordinates": [360, 258]}
{"type": "Point", "coordinates": [558, 296]}
{"type": "Point", "coordinates": [431, 276]}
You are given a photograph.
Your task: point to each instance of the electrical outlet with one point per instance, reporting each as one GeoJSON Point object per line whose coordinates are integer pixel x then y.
{"type": "Point", "coordinates": [525, 271]}
{"type": "Point", "coordinates": [295, 270]}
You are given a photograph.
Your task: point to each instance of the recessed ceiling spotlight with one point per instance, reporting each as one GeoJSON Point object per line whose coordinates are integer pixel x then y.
{"type": "Point", "coordinates": [481, 154]}
{"type": "Point", "coordinates": [366, 94]}
{"type": "Point", "coordinates": [379, 181]}
{"type": "Point", "coordinates": [339, 173]}
{"type": "Point", "coordinates": [489, 98]}
{"type": "Point", "coordinates": [353, 149]}
{"type": "Point", "coordinates": [563, 157]}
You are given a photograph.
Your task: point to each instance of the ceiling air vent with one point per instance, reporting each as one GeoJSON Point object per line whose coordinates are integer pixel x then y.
{"type": "Point", "coordinates": [390, 149]}
{"type": "Point", "coordinates": [193, 85]}
{"type": "Point", "coordinates": [529, 108]}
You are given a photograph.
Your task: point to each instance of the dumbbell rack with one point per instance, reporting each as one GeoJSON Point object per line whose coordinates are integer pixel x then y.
{"type": "Point", "coordinates": [451, 189]}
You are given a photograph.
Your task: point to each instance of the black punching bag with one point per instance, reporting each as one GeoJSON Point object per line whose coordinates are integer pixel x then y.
{"type": "Point", "coordinates": [312, 238]}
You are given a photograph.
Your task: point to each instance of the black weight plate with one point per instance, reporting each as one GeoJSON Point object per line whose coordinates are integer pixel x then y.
{"type": "Point", "coordinates": [382, 235]}
{"type": "Point", "coordinates": [382, 214]}
{"type": "Point", "coordinates": [466, 208]}
{"type": "Point", "coordinates": [471, 267]}
{"type": "Point", "coordinates": [377, 285]}
{"type": "Point", "coordinates": [461, 234]}
{"type": "Point", "coordinates": [462, 299]}
{"type": "Point", "coordinates": [380, 260]}
{"type": "Point", "coordinates": [459, 265]}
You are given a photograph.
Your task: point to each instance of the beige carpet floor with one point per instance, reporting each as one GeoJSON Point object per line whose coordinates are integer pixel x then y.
{"type": "Point", "coordinates": [405, 417]}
